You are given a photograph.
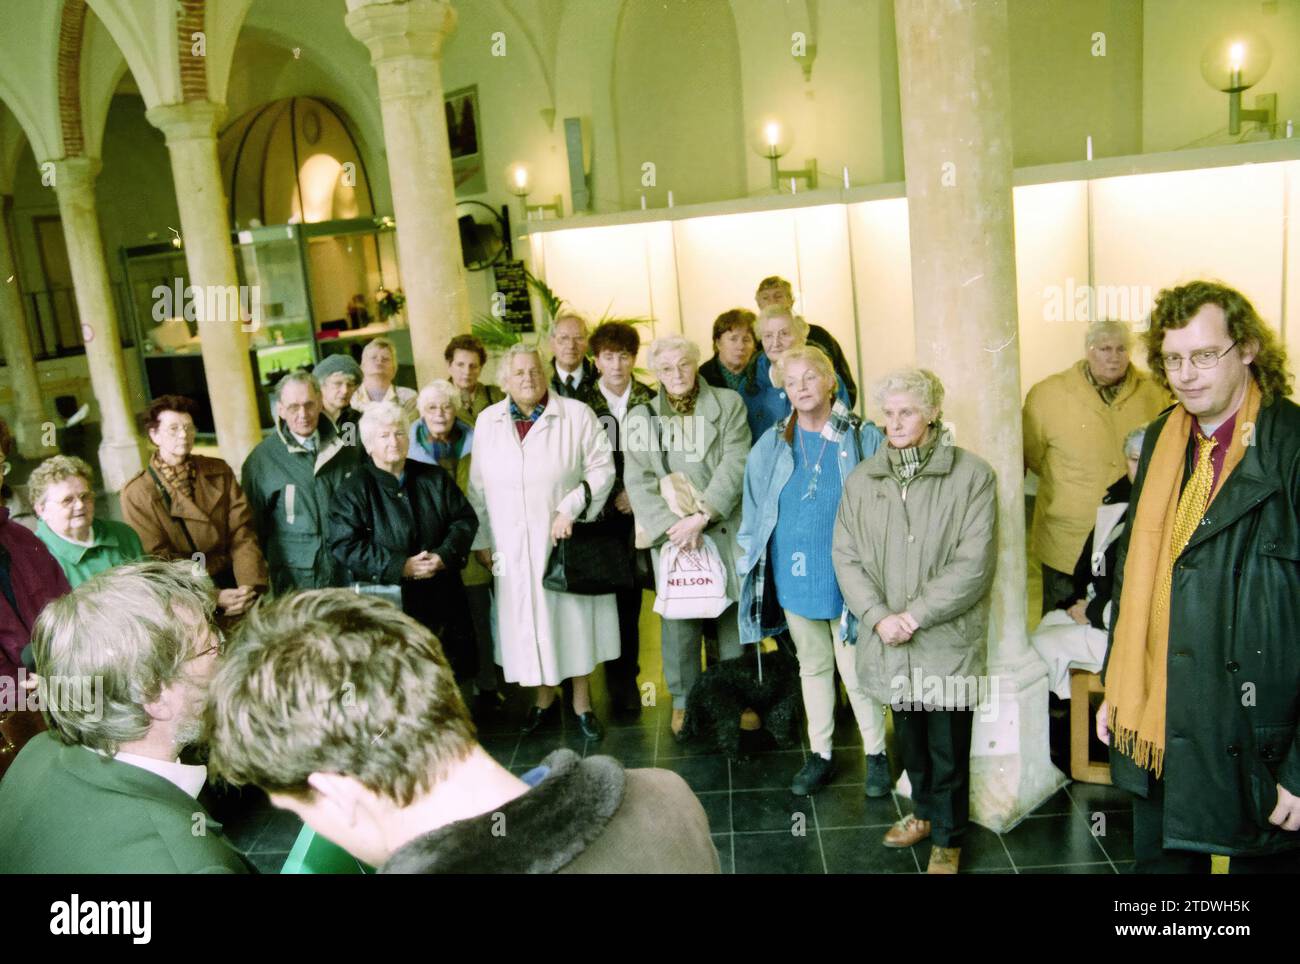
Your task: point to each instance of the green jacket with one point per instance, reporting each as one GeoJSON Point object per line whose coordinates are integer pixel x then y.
{"type": "Point", "coordinates": [67, 810]}
{"type": "Point", "coordinates": [113, 544]}
{"type": "Point", "coordinates": [289, 493]}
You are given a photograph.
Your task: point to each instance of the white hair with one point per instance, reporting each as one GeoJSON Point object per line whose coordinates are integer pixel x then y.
{"type": "Point", "coordinates": [380, 416]}
{"type": "Point", "coordinates": [798, 327]}
{"type": "Point", "coordinates": [1133, 442]}
{"type": "Point", "coordinates": [922, 385]}
{"type": "Point", "coordinates": [297, 377]}
{"type": "Point", "coordinates": [1101, 330]}
{"type": "Point", "coordinates": [438, 390]}
{"type": "Point", "coordinates": [670, 343]}
{"type": "Point", "coordinates": [508, 358]}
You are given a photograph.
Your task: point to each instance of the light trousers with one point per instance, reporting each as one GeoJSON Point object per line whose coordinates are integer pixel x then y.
{"type": "Point", "coordinates": [819, 653]}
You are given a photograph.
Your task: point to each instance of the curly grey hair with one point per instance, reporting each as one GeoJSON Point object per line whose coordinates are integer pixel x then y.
{"type": "Point", "coordinates": [920, 383]}
{"type": "Point", "coordinates": [507, 359]}
{"type": "Point", "coordinates": [378, 416]}
{"type": "Point", "coordinates": [669, 343]}
{"type": "Point", "coordinates": [1101, 330]}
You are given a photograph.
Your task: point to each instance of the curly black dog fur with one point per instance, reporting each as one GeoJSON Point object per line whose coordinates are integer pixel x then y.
{"type": "Point", "coordinates": [727, 689]}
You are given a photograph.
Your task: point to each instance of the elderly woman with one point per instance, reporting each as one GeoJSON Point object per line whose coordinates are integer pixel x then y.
{"type": "Point", "coordinates": [710, 423]}
{"type": "Point", "coordinates": [532, 453]}
{"type": "Point", "coordinates": [793, 482]}
{"type": "Point", "coordinates": [62, 490]}
{"type": "Point", "coordinates": [780, 330]}
{"type": "Point", "coordinates": [378, 369]}
{"type": "Point", "coordinates": [1074, 635]}
{"type": "Point", "coordinates": [442, 438]}
{"type": "Point", "coordinates": [914, 552]}
{"type": "Point", "coordinates": [465, 357]}
{"type": "Point", "coordinates": [187, 506]}
{"type": "Point", "coordinates": [735, 353]}
{"type": "Point", "coordinates": [400, 522]}
{"type": "Point", "coordinates": [338, 376]}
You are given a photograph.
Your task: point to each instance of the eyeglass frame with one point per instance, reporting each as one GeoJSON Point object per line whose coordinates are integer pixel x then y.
{"type": "Point", "coordinates": [1163, 360]}
{"type": "Point", "coordinates": [217, 648]}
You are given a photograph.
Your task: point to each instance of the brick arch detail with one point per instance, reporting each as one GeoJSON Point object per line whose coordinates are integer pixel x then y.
{"type": "Point", "coordinates": [72, 28]}
{"type": "Point", "coordinates": [193, 70]}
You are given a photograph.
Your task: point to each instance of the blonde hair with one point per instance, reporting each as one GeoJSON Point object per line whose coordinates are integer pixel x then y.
{"type": "Point", "coordinates": [376, 417]}
{"type": "Point", "coordinates": [330, 681]}
{"type": "Point", "coordinates": [383, 343]}
{"type": "Point", "coordinates": [813, 357]}
{"type": "Point", "coordinates": [133, 628]}
{"type": "Point", "coordinates": [438, 390]}
{"type": "Point", "coordinates": [798, 327]}
{"type": "Point", "coordinates": [56, 469]}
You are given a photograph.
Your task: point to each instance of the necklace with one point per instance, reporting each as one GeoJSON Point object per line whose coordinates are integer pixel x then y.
{"type": "Point", "coordinates": [811, 491]}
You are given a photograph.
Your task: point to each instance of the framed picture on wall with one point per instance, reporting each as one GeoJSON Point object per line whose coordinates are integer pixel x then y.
{"type": "Point", "coordinates": [463, 135]}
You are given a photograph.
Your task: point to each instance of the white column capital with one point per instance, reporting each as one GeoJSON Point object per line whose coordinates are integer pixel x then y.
{"type": "Point", "coordinates": [193, 120]}
{"type": "Point", "coordinates": [75, 174]}
{"type": "Point", "coordinates": [394, 31]}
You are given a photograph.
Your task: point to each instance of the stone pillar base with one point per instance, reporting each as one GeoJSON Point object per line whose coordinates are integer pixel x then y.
{"type": "Point", "coordinates": [1011, 771]}
{"type": "Point", "coordinates": [119, 463]}
{"type": "Point", "coordinates": [29, 432]}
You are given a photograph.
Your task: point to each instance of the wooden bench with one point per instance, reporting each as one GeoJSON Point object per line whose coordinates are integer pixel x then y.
{"type": "Point", "coordinates": [1083, 687]}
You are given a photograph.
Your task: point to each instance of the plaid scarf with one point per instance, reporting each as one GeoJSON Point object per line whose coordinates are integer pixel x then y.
{"type": "Point", "coordinates": [906, 463]}
{"type": "Point", "coordinates": [179, 478]}
{"type": "Point", "coordinates": [1107, 392]}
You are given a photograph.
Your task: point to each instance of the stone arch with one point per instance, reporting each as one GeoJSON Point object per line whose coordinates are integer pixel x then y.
{"type": "Point", "coordinates": [72, 27]}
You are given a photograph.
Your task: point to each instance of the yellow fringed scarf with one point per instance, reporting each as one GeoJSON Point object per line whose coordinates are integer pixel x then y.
{"type": "Point", "coordinates": [1136, 681]}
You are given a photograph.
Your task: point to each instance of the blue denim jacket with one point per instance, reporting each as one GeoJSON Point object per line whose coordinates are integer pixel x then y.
{"type": "Point", "coordinates": [769, 467]}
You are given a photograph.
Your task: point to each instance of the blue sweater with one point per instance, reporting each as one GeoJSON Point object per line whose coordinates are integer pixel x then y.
{"type": "Point", "coordinates": [800, 547]}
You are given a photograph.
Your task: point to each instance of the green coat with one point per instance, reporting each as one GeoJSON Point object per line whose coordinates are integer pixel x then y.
{"type": "Point", "coordinates": [931, 553]}
{"type": "Point", "coordinates": [67, 810]}
{"type": "Point", "coordinates": [289, 493]}
{"type": "Point", "coordinates": [114, 544]}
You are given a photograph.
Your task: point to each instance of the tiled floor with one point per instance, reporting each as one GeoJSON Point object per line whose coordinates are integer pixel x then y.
{"type": "Point", "coordinates": [758, 825]}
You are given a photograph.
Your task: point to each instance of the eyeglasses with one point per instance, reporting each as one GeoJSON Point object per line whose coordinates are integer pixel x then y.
{"type": "Point", "coordinates": [216, 647]}
{"type": "Point", "coordinates": [1201, 359]}
{"type": "Point", "coordinates": [82, 499]}
{"type": "Point", "coordinates": [681, 368]}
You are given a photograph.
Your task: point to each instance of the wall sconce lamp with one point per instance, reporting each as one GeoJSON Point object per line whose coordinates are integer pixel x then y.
{"type": "Point", "coordinates": [519, 178]}
{"type": "Point", "coordinates": [773, 142]}
{"type": "Point", "coordinates": [1235, 63]}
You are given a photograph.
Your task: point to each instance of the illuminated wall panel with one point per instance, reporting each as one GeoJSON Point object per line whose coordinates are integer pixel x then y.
{"type": "Point", "coordinates": [882, 267]}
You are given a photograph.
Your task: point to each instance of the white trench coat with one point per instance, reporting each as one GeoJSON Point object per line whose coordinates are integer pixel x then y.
{"type": "Point", "coordinates": [542, 637]}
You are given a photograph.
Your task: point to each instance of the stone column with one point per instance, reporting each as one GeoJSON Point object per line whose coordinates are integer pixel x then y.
{"type": "Point", "coordinates": [119, 453]}
{"type": "Point", "coordinates": [190, 130]}
{"type": "Point", "coordinates": [29, 413]}
{"type": "Point", "coordinates": [405, 41]}
{"type": "Point", "coordinates": [955, 93]}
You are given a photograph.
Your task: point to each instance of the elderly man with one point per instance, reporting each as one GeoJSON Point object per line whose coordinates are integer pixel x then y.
{"type": "Point", "coordinates": [573, 375]}
{"type": "Point", "coordinates": [290, 479]}
{"type": "Point", "coordinates": [338, 376]}
{"type": "Point", "coordinates": [62, 491]}
{"type": "Point", "coordinates": [1202, 703]}
{"type": "Point", "coordinates": [1075, 423]}
{"type": "Point", "coordinates": [125, 660]}
{"type": "Point", "coordinates": [378, 369]}
{"type": "Point", "coordinates": [776, 292]}
{"type": "Point", "coordinates": [395, 775]}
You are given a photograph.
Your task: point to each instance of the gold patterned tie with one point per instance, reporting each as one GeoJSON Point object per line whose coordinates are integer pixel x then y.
{"type": "Point", "coordinates": [1191, 507]}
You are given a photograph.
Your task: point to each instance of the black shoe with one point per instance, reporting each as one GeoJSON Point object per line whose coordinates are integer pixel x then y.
{"type": "Point", "coordinates": [879, 780]}
{"type": "Point", "coordinates": [590, 726]}
{"type": "Point", "coordinates": [537, 715]}
{"type": "Point", "coordinates": [816, 773]}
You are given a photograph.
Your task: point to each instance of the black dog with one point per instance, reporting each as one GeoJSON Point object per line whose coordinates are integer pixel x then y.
{"type": "Point", "coordinates": [727, 689]}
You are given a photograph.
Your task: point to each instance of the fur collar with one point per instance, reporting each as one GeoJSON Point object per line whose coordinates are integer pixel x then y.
{"type": "Point", "coordinates": [538, 833]}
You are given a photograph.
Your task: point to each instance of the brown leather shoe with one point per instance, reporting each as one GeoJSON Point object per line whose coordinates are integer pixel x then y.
{"type": "Point", "coordinates": [907, 832]}
{"type": "Point", "coordinates": [749, 720]}
{"type": "Point", "coordinates": [944, 860]}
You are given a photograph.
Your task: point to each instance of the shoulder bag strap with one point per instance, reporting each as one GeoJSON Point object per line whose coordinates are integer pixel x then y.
{"type": "Point", "coordinates": [167, 503]}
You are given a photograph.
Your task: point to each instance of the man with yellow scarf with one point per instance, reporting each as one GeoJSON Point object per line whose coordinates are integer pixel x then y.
{"type": "Point", "coordinates": [1203, 671]}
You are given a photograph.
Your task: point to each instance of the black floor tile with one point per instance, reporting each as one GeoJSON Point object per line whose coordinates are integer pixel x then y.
{"type": "Point", "coordinates": [268, 862]}
{"type": "Point", "coordinates": [771, 810]}
{"type": "Point", "coordinates": [1057, 804]}
{"type": "Point", "coordinates": [501, 747]}
{"type": "Point", "coordinates": [850, 807]}
{"type": "Point", "coordinates": [1099, 796]}
{"type": "Point", "coordinates": [1053, 840]}
{"type": "Point", "coordinates": [1102, 868]}
{"type": "Point", "coordinates": [627, 742]}
{"type": "Point", "coordinates": [535, 748]}
{"type": "Point", "coordinates": [850, 766]}
{"type": "Point", "coordinates": [717, 807]}
{"type": "Point", "coordinates": [980, 850]}
{"type": "Point", "coordinates": [1124, 866]}
{"type": "Point", "coordinates": [1115, 834]}
{"type": "Point", "coordinates": [860, 851]}
{"type": "Point", "coordinates": [700, 772]}
{"type": "Point", "coordinates": [770, 771]}
{"type": "Point", "coordinates": [778, 853]}
{"type": "Point", "coordinates": [723, 842]}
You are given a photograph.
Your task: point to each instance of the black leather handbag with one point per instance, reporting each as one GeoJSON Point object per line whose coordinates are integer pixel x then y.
{"type": "Point", "coordinates": [594, 561]}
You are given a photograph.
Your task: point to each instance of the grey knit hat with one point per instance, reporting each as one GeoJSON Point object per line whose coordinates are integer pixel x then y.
{"type": "Point", "coordinates": [333, 364]}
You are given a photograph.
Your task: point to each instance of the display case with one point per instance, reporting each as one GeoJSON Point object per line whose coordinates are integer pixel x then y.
{"type": "Point", "coordinates": [305, 291]}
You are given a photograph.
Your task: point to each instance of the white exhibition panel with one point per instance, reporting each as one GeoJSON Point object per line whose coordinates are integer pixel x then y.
{"type": "Point", "coordinates": [1291, 329]}
{"type": "Point", "coordinates": [1051, 225]}
{"type": "Point", "coordinates": [1155, 230]}
{"type": "Point", "coordinates": [882, 271]}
